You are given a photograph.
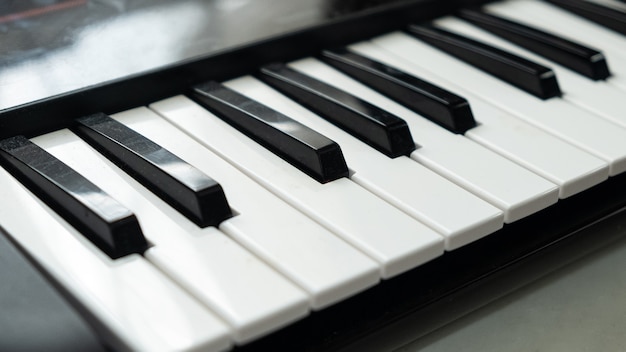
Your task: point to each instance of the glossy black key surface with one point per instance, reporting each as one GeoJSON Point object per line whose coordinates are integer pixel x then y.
{"type": "Point", "coordinates": [108, 224]}
{"type": "Point", "coordinates": [309, 151]}
{"type": "Point", "coordinates": [438, 105]}
{"type": "Point", "coordinates": [34, 315]}
{"type": "Point", "coordinates": [524, 74]}
{"type": "Point", "coordinates": [187, 189]}
{"type": "Point", "coordinates": [602, 15]}
{"type": "Point", "coordinates": [372, 125]}
{"type": "Point", "coordinates": [582, 59]}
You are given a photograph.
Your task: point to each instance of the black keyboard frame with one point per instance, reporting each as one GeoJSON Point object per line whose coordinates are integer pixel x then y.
{"type": "Point", "coordinates": [58, 111]}
{"type": "Point", "coordinates": [423, 299]}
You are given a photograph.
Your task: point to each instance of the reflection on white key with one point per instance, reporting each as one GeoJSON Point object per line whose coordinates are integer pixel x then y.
{"type": "Point", "coordinates": [596, 96]}
{"type": "Point", "coordinates": [411, 187]}
{"type": "Point", "coordinates": [567, 25]}
{"type": "Point", "coordinates": [558, 117]}
{"type": "Point", "coordinates": [455, 157]}
{"type": "Point", "coordinates": [203, 261]}
{"type": "Point", "coordinates": [315, 259]}
{"type": "Point", "coordinates": [136, 306]}
{"type": "Point", "coordinates": [571, 168]}
{"type": "Point", "coordinates": [362, 219]}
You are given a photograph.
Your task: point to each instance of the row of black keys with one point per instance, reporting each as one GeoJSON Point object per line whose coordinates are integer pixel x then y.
{"type": "Point", "coordinates": [202, 199]}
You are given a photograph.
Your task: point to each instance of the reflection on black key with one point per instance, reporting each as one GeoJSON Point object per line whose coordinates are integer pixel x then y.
{"type": "Point", "coordinates": [438, 105]}
{"type": "Point", "coordinates": [579, 58]}
{"type": "Point", "coordinates": [34, 315]}
{"type": "Point", "coordinates": [527, 75]}
{"type": "Point", "coordinates": [376, 127]}
{"type": "Point", "coordinates": [309, 151]}
{"type": "Point", "coordinates": [108, 224]}
{"type": "Point", "coordinates": [194, 194]}
{"type": "Point", "coordinates": [602, 15]}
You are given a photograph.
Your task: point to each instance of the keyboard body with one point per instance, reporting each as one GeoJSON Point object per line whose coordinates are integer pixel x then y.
{"type": "Point", "coordinates": [89, 66]}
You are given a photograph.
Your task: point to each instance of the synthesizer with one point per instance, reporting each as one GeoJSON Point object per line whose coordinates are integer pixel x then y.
{"type": "Point", "coordinates": [297, 175]}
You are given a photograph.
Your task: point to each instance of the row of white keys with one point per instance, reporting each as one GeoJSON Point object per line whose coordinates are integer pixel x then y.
{"type": "Point", "coordinates": [573, 124]}
{"type": "Point", "coordinates": [571, 168]}
{"type": "Point", "coordinates": [549, 18]}
{"type": "Point", "coordinates": [135, 307]}
{"type": "Point", "coordinates": [411, 187]}
{"type": "Point", "coordinates": [484, 173]}
{"type": "Point", "coordinates": [251, 297]}
{"type": "Point", "coordinates": [395, 240]}
{"type": "Point", "coordinates": [597, 96]}
{"type": "Point", "coordinates": [325, 266]}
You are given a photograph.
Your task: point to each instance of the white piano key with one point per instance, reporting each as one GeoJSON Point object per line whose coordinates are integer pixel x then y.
{"type": "Point", "coordinates": [325, 266]}
{"type": "Point", "coordinates": [567, 25]}
{"type": "Point", "coordinates": [581, 128]}
{"type": "Point", "coordinates": [571, 168]}
{"type": "Point", "coordinates": [134, 306]}
{"type": "Point", "coordinates": [598, 97]}
{"type": "Point", "coordinates": [453, 156]}
{"type": "Point", "coordinates": [202, 260]}
{"type": "Point", "coordinates": [248, 295]}
{"type": "Point", "coordinates": [411, 187]}
{"type": "Point", "coordinates": [365, 221]}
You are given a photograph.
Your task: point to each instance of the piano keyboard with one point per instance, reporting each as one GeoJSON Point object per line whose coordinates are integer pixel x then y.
{"type": "Point", "coordinates": [326, 183]}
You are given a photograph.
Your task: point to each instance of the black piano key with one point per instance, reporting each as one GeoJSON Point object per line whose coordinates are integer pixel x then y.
{"type": "Point", "coordinates": [309, 151]}
{"type": "Point", "coordinates": [372, 125]}
{"type": "Point", "coordinates": [438, 105]}
{"type": "Point", "coordinates": [602, 15]}
{"type": "Point", "coordinates": [184, 187]}
{"type": "Point", "coordinates": [582, 59]}
{"type": "Point", "coordinates": [108, 224]}
{"type": "Point", "coordinates": [524, 74]}
{"type": "Point", "coordinates": [34, 315]}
